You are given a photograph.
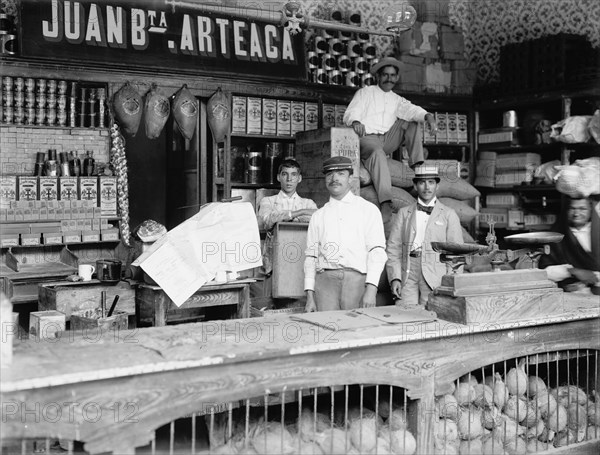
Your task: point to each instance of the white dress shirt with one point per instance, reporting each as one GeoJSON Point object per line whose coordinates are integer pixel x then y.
{"type": "Point", "coordinates": [378, 110]}
{"type": "Point", "coordinates": [273, 209]}
{"type": "Point", "coordinates": [346, 233]}
{"type": "Point", "coordinates": [422, 218]}
{"type": "Point", "coordinates": [584, 236]}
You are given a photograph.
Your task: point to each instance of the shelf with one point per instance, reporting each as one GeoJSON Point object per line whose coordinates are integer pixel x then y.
{"type": "Point", "coordinates": [264, 137]}
{"type": "Point", "coordinates": [255, 185]}
{"type": "Point", "coordinates": [60, 245]}
{"type": "Point", "coordinates": [56, 127]}
{"type": "Point", "coordinates": [445, 144]}
{"type": "Point", "coordinates": [542, 188]}
{"type": "Point", "coordinates": [553, 147]}
{"type": "Point", "coordinates": [109, 218]}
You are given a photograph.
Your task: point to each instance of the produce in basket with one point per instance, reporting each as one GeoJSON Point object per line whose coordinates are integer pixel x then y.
{"type": "Point", "coordinates": [150, 231]}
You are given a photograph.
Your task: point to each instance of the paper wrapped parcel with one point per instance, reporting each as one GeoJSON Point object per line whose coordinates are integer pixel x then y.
{"type": "Point", "coordinates": [220, 237]}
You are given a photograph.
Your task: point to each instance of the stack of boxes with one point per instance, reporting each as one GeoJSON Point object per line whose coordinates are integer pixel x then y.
{"type": "Point", "coordinates": [452, 129]}
{"type": "Point", "coordinates": [56, 210]}
{"type": "Point", "coordinates": [277, 117]}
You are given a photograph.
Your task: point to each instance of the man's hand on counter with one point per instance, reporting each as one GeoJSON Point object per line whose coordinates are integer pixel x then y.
{"type": "Point", "coordinates": [311, 305]}
{"type": "Point", "coordinates": [369, 297]}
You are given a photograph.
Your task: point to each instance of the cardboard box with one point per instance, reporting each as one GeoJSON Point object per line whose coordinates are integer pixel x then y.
{"type": "Point", "coordinates": [46, 324]}
{"type": "Point", "coordinates": [8, 239]}
{"type": "Point", "coordinates": [452, 127]}
{"type": "Point", "coordinates": [501, 200]}
{"type": "Point", "coordinates": [314, 147]}
{"type": "Point", "coordinates": [28, 214]}
{"type": "Point", "coordinates": [254, 115]}
{"type": "Point", "coordinates": [72, 236]}
{"type": "Point", "coordinates": [508, 178]}
{"type": "Point", "coordinates": [328, 115]}
{"type": "Point", "coordinates": [463, 129]}
{"type": "Point", "coordinates": [485, 173]}
{"type": "Point", "coordinates": [30, 239]}
{"type": "Point", "coordinates": [340, 110]}
{"type": "Point", "coordinates": [498, 215]}
{"type": "Point", "coordinates": [48, 188]}
{"type": "Point", "coordinates": [428, 136]}
{"type": "Point", "coordinates": [297, 111]}
{"type": "Point", "coordinates": [10, 214]}
{"type": "Point", "coordinates": [109, 234]}
{"type": "Point", "coordinates": [2, 214]}
{"type": "Point", "coordinates": [43, 213]}
{"type": "Point", "coordinates": [90, 236]}
{"type": "Point", "coordinates": [238, 114]}
{"type": "Point", "coordinates": [518, 161]}
{"type": "Point", "coordinates": [284, 117]}
{"type": "Point", "coordinates": [441, 118]}
{"type": "Point", "coordinates": [68, 189]}
{"type": "Point", "coordinates": [28, 188]}
{"type": "Point", "coordinates": [8, 190]}
{"type": "Point", "coordinates": [516, 219]}
{"type": "Point", "coordinates": [88, 189]}
{"type": "Point", "coordinates": [269, 116]}
{"type": "Point", "coordinates": [311, 116]}
{"type": "Point", "coordinates": [449, 169]}
{"type": "Point", "coordinates": [108, 196]}
{"type": "Point", "coordinates": [52, 238]}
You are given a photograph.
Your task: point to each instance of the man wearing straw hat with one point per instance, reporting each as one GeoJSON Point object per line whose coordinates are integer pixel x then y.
{"type": "Point", "coordinates": [384, 121]}
{"type": "Point", "coordinates": [413, 268]}
{"type": "Point", "coordinates": [345, 246]}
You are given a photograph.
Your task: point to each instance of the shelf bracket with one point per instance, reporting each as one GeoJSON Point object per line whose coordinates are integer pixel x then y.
{"type": "Point", "coordinates": [68, 257]}
{"type": "Point", "coordinates": [11, 260]}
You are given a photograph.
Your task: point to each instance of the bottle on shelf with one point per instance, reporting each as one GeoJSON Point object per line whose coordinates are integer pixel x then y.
{"type": "Point", "coordinates": [88, 163]}
{"type": "Point", "coordinates": [75, 163]}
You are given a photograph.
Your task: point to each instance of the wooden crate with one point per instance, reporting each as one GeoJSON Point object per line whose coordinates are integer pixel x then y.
{"type": "Point", "coordinates": [289, 244]}
{"type": "Point", "coordinates": [314, 147]}
{"type": "Point", "coordinates": [81, 322]}
{"type": "Point", "coordinates": [69, 297]}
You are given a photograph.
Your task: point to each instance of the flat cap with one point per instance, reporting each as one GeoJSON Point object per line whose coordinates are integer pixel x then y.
{"type": "Point", "coordinates": [337, 163]}
{"type": "Point", "coordinates": [386, 61]}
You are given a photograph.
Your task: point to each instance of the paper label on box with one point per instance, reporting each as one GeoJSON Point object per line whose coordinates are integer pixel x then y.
{"type": "Point", "coordinates": [68, 189]}
{"type": "Point", "coordinates": [297, 116]}
{"type": "Point", "coordinates": [108, 196]}
{"type": "Point", "coordinates": [328, 115]}
{"type": "Point", "coordinates": [30, 240]}
{"type": "Point", "coordinates": [284, 118]}
{"type": "Point", "coordinates": [48, 188]}
{"type": "Point", "coordinates": [463, 128]}
{"type": "Point", "coordinates": [238, 114]}
{"type": "Point", "coordinates": [28, 188]}
{"type": "Point", "coordinates": [71, 237]}
{"type": "Point", "coordinates": [9, 240]}
{"type": "Point", "coordinates": [88, 189]}
{"type": "Point", "coordinates": [254, 116]}
{"type": "Point", "coordinates": [269, 116]}
{"type": "Point", "coordinates": [52, 238]}
{"type": "Point", "coordinates": [311, 116]}
{"type": "Point", "coordinates": [452, 126]}
{"type": "Point", "coordinates": [8, 190]}
{"type": "Point", "coordinates": [441, 120]}
{"type": "Point", "coordinates": [340, 110]}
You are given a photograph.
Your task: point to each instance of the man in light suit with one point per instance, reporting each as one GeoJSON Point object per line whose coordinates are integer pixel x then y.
{"type": "Point", "coordinates": [413, 268]}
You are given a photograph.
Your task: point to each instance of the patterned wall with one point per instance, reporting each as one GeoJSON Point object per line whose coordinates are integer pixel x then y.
{"type": "Point", "coordinates": [487, 25]}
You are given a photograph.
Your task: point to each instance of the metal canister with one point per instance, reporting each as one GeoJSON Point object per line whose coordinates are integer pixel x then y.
{"type": "Point", "coordinates": [509, 119]}
{"type": "Point", "coordinates": [336, 47]}
{"type": "Point", "coordinates": [335, 77]}
{"type": "Point", "coordinates": [313, 60]}
{"type": "Point", "coordinates": [361, 66]}
{"type": "Point", "coordinates": [321, 45]}
{"type": "Point", "coordinates": [41, 85]}
{"type": "Point", "coordinates": [273, 153]}
{"type": "Point", "coordinates": [369, 50]}
{"type": "Point", "coordinates": [354, 49]}
{"type": "Point", "coordinates": [344, 63]}
{"type": "Point", "coordinates": [19, 84]}
{"type": "Point", "coordinates": [30, 84]}
{"type": "Point", "coordinates": [352, 79]}
{"type": "Point", "coordinates": [253, 165]}
{"type": "Point", "coordinates": [19, 115]}
{"type": "Point", "coordinates": [367, 79]}
{"type": "Point", "coordinates": [329, 62]}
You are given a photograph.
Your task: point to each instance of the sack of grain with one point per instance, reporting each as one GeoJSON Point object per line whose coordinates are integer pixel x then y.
{"type": "Point", "coordinates": [402, 175]}
{"type": "Point", "coordinates": [400, 198]}
{"type": "Point", "coordinates": [465, 212]}
{"type": "Point", "coordinates": [219, 115]}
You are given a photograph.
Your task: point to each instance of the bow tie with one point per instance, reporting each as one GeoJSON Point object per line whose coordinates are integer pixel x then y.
{"type": "Point", "coordinates": [424, 208]}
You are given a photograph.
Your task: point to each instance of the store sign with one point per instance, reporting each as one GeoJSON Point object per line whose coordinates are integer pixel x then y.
{"type": "Point", "coordinates": [148, 33]}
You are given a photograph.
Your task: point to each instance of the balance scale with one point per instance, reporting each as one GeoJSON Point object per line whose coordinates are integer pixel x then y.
{"type": "Point", "coordinates": [499, 295]}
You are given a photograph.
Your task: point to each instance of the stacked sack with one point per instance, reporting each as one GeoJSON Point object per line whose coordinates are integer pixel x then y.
{"type": "Point", "coordinates": [453, 191]}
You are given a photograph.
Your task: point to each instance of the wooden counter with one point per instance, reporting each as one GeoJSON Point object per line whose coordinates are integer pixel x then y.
{"type": "Point", "coordinates": [168, 371]}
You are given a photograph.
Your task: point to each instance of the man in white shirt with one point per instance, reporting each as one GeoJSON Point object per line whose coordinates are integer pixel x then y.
{"type": "Point", "coordinates": [286, 205]}
{"type": "Point", "coordinates": [345, 246]}
{"type": "Point", "coordinates": [384, 121]}
{"type": "Point", "coordinates": [571, 262]}
{"type": "Point", "coordinates": [413, 268]}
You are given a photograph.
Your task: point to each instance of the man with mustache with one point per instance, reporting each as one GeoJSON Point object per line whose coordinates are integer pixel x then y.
{"type": "Point", "coordinates": [413, 268]}
{"type": "Point", "coordinates": [384, 121]}
{"type": "Point", "coordinates": [345, 246]}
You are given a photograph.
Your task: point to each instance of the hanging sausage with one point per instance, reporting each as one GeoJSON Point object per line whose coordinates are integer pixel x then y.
{"type": "Point", "coordinates": [219, 115]}
{"type": "Point", "coordinates": [127, 105]}
{"type": "Point", "coordinates": [156, 112]}
{"type": "Point", "coordinates": [185, 110]}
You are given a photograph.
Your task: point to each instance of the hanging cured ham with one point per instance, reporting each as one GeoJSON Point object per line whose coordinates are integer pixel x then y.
{"type": "Point", "coordinates": [219, 115]}
{"type": "Point", "coordinates": [127, 105]}
{"type": "Point", "coordinates": [156, 112]}
{"type": "Point", "coordinates": [185, 110]}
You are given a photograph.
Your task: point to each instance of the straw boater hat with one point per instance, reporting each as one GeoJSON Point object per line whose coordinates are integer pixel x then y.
{"type": "Point", "coordinates": [426, 171]}
{"type": "Point", "coordinates": [387, 61]}
{"type": "Point", "coordinates": [337, 163]}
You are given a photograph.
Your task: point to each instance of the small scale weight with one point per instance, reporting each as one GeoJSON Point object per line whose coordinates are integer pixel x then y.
{"type": "Point", "coordinates": [454, 261]}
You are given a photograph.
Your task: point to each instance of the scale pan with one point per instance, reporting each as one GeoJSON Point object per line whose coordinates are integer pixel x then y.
{"type": "Point", "coordinates": [535, 238]}
{"type": "Point", "coordinates": [457, 248]}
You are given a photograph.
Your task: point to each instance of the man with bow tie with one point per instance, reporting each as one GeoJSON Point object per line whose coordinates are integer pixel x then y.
{"type": "Point", "coordinates": [413, 268]}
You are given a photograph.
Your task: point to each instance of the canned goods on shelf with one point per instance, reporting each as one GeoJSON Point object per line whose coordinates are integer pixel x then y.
{"type": "Point", "coordinates": [329, 62]}
{"type": "Point", "coordinates": [335, 77]}
{"type": "Point", "coordinates": [352, 79]}
{"type": "Point", "coordinates": [344, 63]}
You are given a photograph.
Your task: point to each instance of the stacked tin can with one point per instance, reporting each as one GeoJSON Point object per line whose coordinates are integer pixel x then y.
{"type": "Point", "coordinates": [8, 98]}
{"type": "Point", "coordinates": [342, 58]}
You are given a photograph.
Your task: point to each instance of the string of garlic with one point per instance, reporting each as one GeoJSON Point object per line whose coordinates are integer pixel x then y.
{"type": "Point", "coordinates": [119, 163]}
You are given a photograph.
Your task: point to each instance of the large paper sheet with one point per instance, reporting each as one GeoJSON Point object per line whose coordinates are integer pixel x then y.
{"type": "Point", "coordinates": [220, 237]}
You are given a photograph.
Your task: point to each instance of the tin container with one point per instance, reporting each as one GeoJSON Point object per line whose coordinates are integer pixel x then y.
{"type": "Point", "coordinates": [253, 166]}
{"type": "Point", "coordinates": [7, 83]}
{"type": "Point", "coordinates": [369, 50]}
{"type": "Point", "coordinates": [321, 45]}
{"type": "Point", "coordinates": [354, 49]}
{"type": "Point", "coordinates": [30, 84]}
{"type": "Point", "coordinates": [19, 84]}
{"type": "Point", "coordinates": [313, 60]}
{"type": "Point", "coordinates": [329, 62]}
{"type": "Point", "coordinates": [361, 66]}
{"type": "Point", "coordinates": [51, 84]}
{"type": "Point", "coordinates": [509, 119]}
{"type": "Point", "coordinates": [352, 79]}
{"type": "Point", "coordinates": [321, 76]}
{"type": "Point", "coordinates": [367, 79]}
{"type": "Point", "coordinates": [19, 115]}
{"type": "Point", "coordinates": [62, 87]}
{"type": "Point", "coordinates": [344, 63]}
{"type": "Point", "coordinates": [336, 47]}
{"type": "Point", "coordinates": [41, 85]}
{"type": "Point", "coordinates": [8, 114]}
{"type": "Point", "coordinates": [335, 77]}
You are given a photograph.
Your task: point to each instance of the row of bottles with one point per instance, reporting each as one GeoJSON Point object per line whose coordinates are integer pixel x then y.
{"type": "Point", "coordinates": [67, 164]}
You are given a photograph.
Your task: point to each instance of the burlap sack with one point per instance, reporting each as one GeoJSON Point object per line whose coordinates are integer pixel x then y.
{"type": "Point", "coordinates": [185, 111]}
{"type": "Point", "coordinates": [458, 189]}
{"type": "Point", "coordinates": [400, 198]}
{"type": "Point", "coordinates": [402, 175]}
{"type": "Point", "coordinates": [219, 115]}
{"type": "Point", "coordinates": [127, 106]}
{"type": "Point", "coordinates": [465, 212]}
{"type": "Point", "coordinates": [156, 112]}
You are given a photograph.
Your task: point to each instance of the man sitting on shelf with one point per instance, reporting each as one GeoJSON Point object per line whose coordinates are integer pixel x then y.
{"type": "Point", "coordinates": [284, 206]}
{"type": "Point", "coordinates": [571, 262]}
{"type": "Point", "coordinates": [384, 121]}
